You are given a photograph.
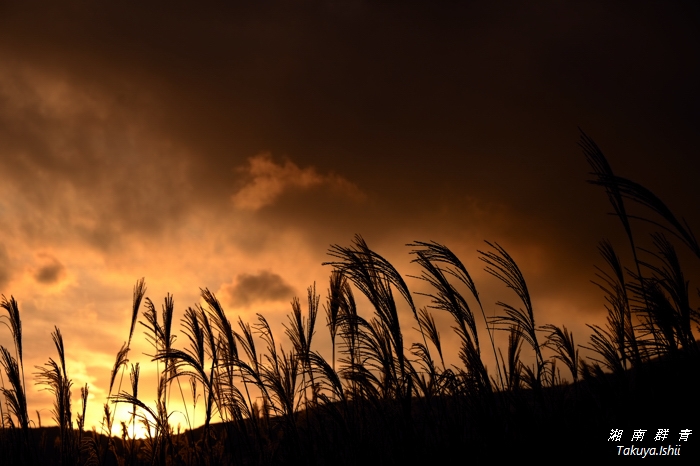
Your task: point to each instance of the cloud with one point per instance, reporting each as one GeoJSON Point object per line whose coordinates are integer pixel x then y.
{"type": "Point", "coordinates": [97, 169]}
{"type": "Point", "coordinates": [5, 267]}
{"type": "Point", "coordinates": [268, 180]}
{"type": "Point", "coordinates": [51, 270]}
{"type": "Point", "coordinates": [260, 287]}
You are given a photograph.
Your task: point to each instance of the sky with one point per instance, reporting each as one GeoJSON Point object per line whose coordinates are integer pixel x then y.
{"type": "Point", "coordinates": [229, 147]}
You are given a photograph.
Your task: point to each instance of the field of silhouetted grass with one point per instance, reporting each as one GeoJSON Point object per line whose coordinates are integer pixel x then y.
{"type": "Point", "coordinates": [380, 399]}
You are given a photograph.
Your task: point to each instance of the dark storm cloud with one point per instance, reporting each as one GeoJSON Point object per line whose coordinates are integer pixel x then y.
{"type": "Point", "coordinates": [260, 287]}
{"type": "Point", "coordinates": [420, 107]}
{"type": "Point", "coordinates": [365, 88]}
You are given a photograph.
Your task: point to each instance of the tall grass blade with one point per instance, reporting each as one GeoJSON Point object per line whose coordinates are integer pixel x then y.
{"type": "Point", "coordinates": [15, 396]}
{"type": "Point", "coordinates": [502, 266]}
{"type": "Point", "coordinates": [14, 323]}
{"type": "Point", "coordinates": [374, 275]}
{"type": "Point", "coordinates": [562, 342]}
{"type": "Point", "coordinates": [430, 257]}
{"type": "Point", "coordinates": [139, 292]}
{"type": "Point", "coordinates": [55, 377]}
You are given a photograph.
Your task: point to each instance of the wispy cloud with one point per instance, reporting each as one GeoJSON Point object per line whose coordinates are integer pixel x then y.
{"type": "Point", "coordinates": [267, 180]}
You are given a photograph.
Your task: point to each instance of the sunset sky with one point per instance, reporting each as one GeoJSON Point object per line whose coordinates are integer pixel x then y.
{"type": "Point", "coordinates": [229, 147]}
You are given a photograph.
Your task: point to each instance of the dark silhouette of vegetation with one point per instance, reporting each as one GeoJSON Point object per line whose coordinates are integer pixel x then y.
{"type": "Point", "coordinates": [378, 400]}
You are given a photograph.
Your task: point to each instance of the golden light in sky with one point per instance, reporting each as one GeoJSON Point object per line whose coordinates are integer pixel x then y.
{"type": "Point", "coordinates": [228, 150]}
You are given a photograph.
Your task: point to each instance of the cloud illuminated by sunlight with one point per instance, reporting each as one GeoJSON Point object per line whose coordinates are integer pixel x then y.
{"type": "Point", "coordinates": [268, 180]}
